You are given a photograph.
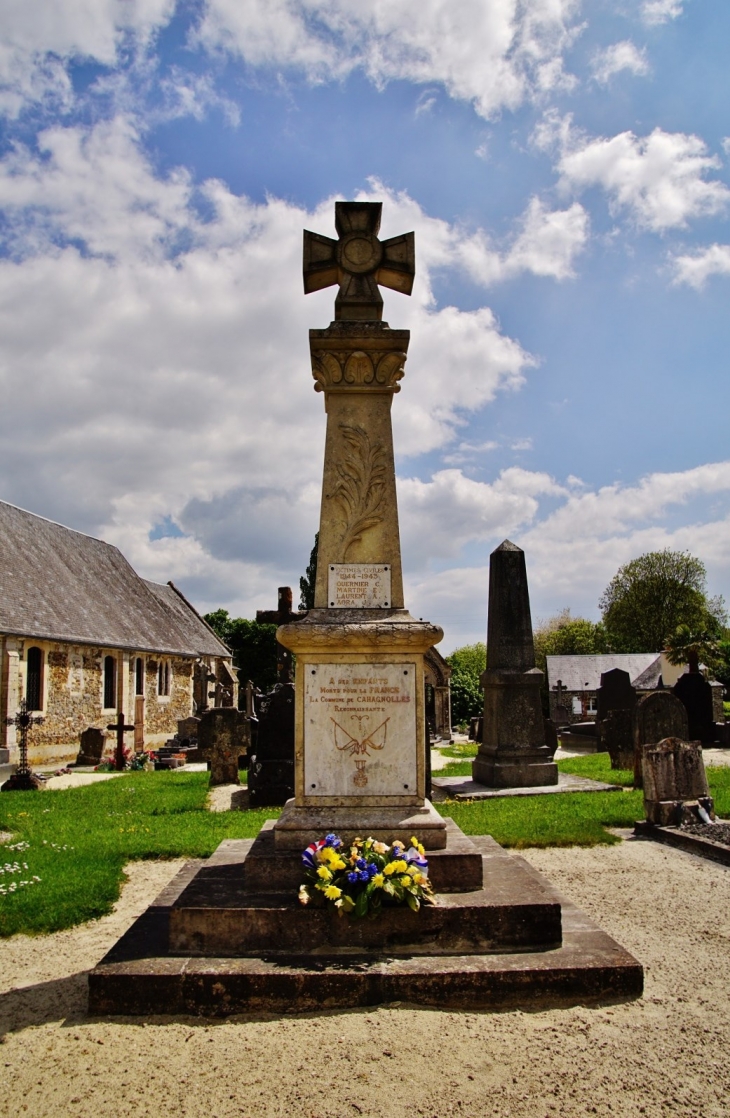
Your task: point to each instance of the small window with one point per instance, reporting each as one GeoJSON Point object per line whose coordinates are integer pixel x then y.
{"type": "Point", "coordinates": [163, 677]}
{"type": "Point", "coordinates": [34, 679]}
{"type": "Point", "coordinates": [110, 683]}
{"type": "Point", "coordinates": [577, 705]}
{"type": "Point", "coordinates": [139, 676]}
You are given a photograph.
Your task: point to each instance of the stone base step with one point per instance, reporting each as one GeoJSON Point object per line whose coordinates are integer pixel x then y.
{"type": "Point", "coordinates": [139, 976]}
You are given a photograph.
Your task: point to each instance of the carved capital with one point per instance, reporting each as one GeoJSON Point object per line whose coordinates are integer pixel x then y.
{"type": "Point", "coordinates": [341, 369]}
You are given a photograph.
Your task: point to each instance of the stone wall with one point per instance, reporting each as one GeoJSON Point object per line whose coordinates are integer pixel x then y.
{"type": "Point", "coordinates": [73, 695]}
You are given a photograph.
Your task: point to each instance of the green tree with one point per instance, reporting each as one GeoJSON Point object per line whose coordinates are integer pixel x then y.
{"type": "Point", "coordinates": [467, 664]}
{"type": "Point", "coordinates": [649, 597]}
{"type": "Point", "coordinates": [253, 646]}
{"type": "Point", "coordinates": [308, 581]}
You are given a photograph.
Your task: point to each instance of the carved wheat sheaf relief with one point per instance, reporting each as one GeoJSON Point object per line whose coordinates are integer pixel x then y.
{"type": "Point", "coordinates": [360, 485]}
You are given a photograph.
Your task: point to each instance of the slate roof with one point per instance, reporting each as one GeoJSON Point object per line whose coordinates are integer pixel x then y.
{"type": "Point", "coordinates": [58, 584]}
{"type": "Point", "coordinates": [579, 673]}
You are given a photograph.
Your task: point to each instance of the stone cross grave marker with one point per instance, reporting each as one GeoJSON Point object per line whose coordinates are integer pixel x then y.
{"type": "Point", "coordinates": [119, 729]}
{"type": "Point", "coordinates": [675, 783]}
{"type": "Point", "coordinates": [360, 731]}
{"type": "Point", "coordinates": [23, 779]}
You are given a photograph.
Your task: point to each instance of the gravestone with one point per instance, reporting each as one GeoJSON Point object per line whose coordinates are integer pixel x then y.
{"type": "Point", "coordinates": [284, 614]}
{"type": "Point", "coordinates": [614, 693]}
{"type": "Point", "coordinates": [616, 737]}
{"type": "Point", "coordinates": [271, 767]}
{"type": "Point", "coordinates": [513, 753]}
{"type": "Point", "coordinates": [222, 738]}
{"type": "Point", "coordinates": [675, 783]}
{"type": "Point", "coordinates": [695, 692]}
{"type": "Point", "coordinates": [91, 746]}
{"type": "Point", "coordinates": [657, 716]}
{"type": "Point", "coordinates": [360, 737]}
{"type": "Point", "coordinates": [187, 730]}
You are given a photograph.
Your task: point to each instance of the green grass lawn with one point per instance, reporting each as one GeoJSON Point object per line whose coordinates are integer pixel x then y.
{"type": "Point", "coordinates": [79, 840]}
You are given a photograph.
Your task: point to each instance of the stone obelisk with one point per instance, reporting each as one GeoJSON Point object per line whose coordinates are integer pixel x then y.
{"type": "Point", "coordinates": [360, 745]}
{"type": "Point", "coordinates": [514, 753]}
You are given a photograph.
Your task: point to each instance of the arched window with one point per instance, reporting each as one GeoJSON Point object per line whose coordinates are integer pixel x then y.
{"type": "Point", "coordinates": [163, 677]}
{"type": "Point", "coordinates": [34, 679]}
{"type": "Point", "coordinates": [110, 682]}
{"type": "Point", "coordinates": [139, 676]}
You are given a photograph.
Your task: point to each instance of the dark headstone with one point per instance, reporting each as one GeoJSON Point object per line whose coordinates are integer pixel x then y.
{"type": "Point", "coordinates": [91, 746]}
{"type": "Point", "coordinates": [551, 736]}
{"type": "Point", "coordinates": [614, 693]}
{"type": "Point", "coordinates": [513, 753]}
{"type": "Point", "coordinates": [222, 737]}
{"type": "Point", "coordinates": [695, 692]}
{"type": "Point", "coordinates": [476, 729]}
{"type": "Point", "coordinates": [617, 737]}
{"type": "Point", "coordinates": [271, 768]}
{"type": "Point", "coordinates": [187, 729]}
{"type": "Point", "coordinates": [657, 716]}
{"type": "Point", "coordinates": [675, 783]}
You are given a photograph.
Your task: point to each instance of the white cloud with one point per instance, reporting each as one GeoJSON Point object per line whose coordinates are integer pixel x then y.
{"type": "Point", "coordinates": [618, 57]}
{"type": "Point", "coordinates": [659, 179]}
{"type": "Point", "coordinates": [695, 269]}
{"type": "Point", "coordinates": [40, 38]}
{"type": "Point", "coordinates": [493, 53]}
{"type": "Point", "coordinates": [168, 357]}
{"type": "Point", "coordinates": [656, 12]}
{"type": "Point", "coordinates": [573, 551]}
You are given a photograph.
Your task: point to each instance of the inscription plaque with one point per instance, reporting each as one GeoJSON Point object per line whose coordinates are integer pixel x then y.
{"type": "Point", "coordinates": [358, 586]}
{"type": "Point", "coordinates": [360, 730]}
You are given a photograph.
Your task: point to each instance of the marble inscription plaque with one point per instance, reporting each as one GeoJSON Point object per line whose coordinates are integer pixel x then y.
{"type": "Point", "coordinates": [360, 730]}
{"type": "Point", "coordinates": [358, 586]}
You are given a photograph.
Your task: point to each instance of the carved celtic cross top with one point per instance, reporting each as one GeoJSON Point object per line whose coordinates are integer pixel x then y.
{"type": "Point", "coordinates": [358, 262]}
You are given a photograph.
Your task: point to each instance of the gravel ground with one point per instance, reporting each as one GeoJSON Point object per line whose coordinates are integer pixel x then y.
{"type": "Point", "coordinates": [666, 1054]}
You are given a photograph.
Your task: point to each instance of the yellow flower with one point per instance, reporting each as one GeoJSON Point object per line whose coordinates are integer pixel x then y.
{"type": "Point", "coordinates": [413, 871]}
{"type": "Point", "coordinates": [401, 866]}
{"type": "Point", "coordinates": [421, 850]}
{"type": "Point", "coordinates": [332, 892]}
{"type": "Point", "coordinates": [420, 879]}
{"type": "Point", "coordinates": [338, 864]}
{"type": "Point", "coordinates": [406, 880]}
{"type": "Point", "coordinates": [390, 869]}
{"type": "Point", "coordinates": [324, 873]}
{"type": "Point", "coordinates": [414, 841]}
{"type": "Point", "coordinates": [378, 880]}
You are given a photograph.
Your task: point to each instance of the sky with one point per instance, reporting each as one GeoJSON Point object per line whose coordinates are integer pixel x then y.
{"type": "Point", "coordinates": [564, 166]}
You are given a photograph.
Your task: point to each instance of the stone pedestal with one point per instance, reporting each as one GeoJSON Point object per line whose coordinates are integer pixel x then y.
{"type": "Point", "coordinates": [514, 752]}
{"type": "Point", "coordinates": [222, 739]}
{"type": "Point", "coordinates": [675, 782]}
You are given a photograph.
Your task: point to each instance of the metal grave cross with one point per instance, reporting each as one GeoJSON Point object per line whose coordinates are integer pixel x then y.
{"type": "Point", "coordinates": [358, 262]}
{"type": "Point", "coordinates": [24, 720]}
{"type": "Point", "coordinates": [282, 615]}
{"type": "Point", "coordinates": [120, 729]}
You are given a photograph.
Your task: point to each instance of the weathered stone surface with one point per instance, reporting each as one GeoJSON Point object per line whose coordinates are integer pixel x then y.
{"type": "Point", "coordinates": [139, 977]}
{"type": "Point", "coordinates": [616, 737]}
{"type": "Point", "coordinates": [656, 716]}
{"type": "Point", "coordinates": [675, 782]}
{"type": "Point", "coordinates": [222, 738]}
{"type": "Point", "coordinates": [91, 746]}
{"type": "Point", "coordinates": [299, 825]}
{"type": "Point", "coordinates": [513, 752]}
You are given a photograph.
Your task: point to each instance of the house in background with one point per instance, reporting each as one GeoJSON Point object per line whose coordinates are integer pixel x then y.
{"type": "Point", "coordinates": [83, 637]}
{"type": "Point", "coordinates": [573, 681]}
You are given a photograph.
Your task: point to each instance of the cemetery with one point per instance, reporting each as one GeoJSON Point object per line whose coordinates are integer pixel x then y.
{"type": "Point", "coordinates": [301, 871]}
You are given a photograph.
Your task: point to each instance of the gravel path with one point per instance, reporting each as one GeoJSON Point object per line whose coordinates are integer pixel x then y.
{"type": "Point", "coordinates": [667, 1054]}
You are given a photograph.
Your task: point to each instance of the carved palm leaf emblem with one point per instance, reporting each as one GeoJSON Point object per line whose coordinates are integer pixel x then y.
{"type": "Point", "coordinates": [374, 740]}
{"type": "Point", "coordinates": [360, 484]}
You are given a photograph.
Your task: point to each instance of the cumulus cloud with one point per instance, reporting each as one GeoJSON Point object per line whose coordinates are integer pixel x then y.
{"type": "Point", "coordinates": [574, 546]}
{"type": "Point", "coordinates": [164, 331]}
{"type": "Point", "coordinates": [40, 39]}
{"type": "Point", "coordinates": [659, 179]}
{"type": "Point", "coordinates": [617, 58]}
{"type": "Point", "coordinates": [696, 268]}
{"type": "Point", "coordinates": [656, 12]}
{"type": "Point", "coordinates": [492, 53]}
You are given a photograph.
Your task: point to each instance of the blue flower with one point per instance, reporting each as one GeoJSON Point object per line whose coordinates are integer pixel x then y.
{"type": "Point", "coordinates": [333, 840]}
{"type": "Point", "coordinates": [363, 875]}
{"type": "Point", "coordinates": [372, 869]}
{"type": "Point", "coordinates": [353, 876]}
{"type": "Point", "coordinates": [361, 864]}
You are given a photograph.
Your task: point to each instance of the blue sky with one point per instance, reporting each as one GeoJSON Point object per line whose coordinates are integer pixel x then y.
{"type": "Point", "coordinates": [565, 168]}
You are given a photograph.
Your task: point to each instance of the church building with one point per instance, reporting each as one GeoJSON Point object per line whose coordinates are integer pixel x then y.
{"type": "Point", "coordinates": [83, 637]}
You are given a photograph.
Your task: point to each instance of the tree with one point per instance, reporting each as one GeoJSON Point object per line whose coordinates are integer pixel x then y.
{"type": "Point", "coordinates": [686, 646]}
{"type": "Point", "coordinates": [649, 597]}
{"type": "Point", "coordinates": [467, 664]}
{"type": "Point", "coordinates": [253, 646]}
{"type": "Point", "coordinates": [308, 581]}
